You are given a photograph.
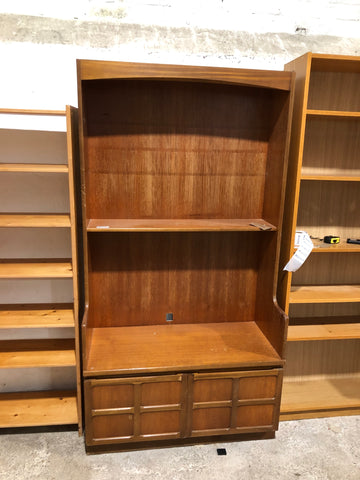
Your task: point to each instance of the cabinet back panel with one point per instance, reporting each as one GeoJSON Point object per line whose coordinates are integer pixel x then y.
{"type": "Point", "coordinates": [38, 192]}
{"type": "Point", "coordinates": [318, 360]}
{"type": "Point", "coordinates": [136, 279]}
{"type": "Point", "coordinates": [334, 91]}
{"type": "Point", "coordinates": [160, 149]}
{"type": "Point", "coordinates": [24, 146]}
{"type": "Point", "coordinates": [332, 146]}
{"type": "Point", "coordinates": [327, 208]}
{"type": "Point", "coordinates": [329, 269]}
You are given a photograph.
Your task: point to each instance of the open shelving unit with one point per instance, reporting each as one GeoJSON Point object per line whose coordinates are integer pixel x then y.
{"type": "Point", "coordinates": [183, 172]}
{"type": "Point", "coordinates": [38, 317]}
{"type": "Point", "coordinates": [323, 297]}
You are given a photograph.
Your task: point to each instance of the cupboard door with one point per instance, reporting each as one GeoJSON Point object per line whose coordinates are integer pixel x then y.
{"type": "Point", "coordinates": [235, 402]}
{"type": "Point", "coordinates": [135, 409]}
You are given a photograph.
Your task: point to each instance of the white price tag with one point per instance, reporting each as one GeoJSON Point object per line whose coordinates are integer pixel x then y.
{"type": "Point", "coordinates": [304, 249]}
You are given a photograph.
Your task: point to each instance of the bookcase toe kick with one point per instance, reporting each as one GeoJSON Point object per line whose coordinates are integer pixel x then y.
{"type": "Point", "coordinates": [130, 411]}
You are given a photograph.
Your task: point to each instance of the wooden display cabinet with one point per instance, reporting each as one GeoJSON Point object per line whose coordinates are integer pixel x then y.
{"type": "Point", "coordinates": [183, 173]}
{"type": "Point", "coordinates": [322, 376]}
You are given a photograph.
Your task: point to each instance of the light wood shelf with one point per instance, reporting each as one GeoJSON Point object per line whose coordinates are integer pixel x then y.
{"type": "Point", "coordinates": [325, 294]}
{"type": "Point", "coordinates": [33, 168]}
{"type": "Point", "coordinates": [187, 346]}
{"type": "Point", "coordinates": [324, 397]}
{"type": "Point", "coordinates": [332, 113]}
{"type": "Point", "coordinates": [330, 178]}
{"type": "Point", "coordinates": [36, 316]}
{"type": "Point", "coordinates": [340, 331]}
{"type": "Point", "coordinates": [28, 409]}
{"type": "Point", "coordinates": [37, 353]}
{"type": "Point", "coordinates": [34, 220]}
{"type": "Point", "coordinates": [36, 269]}
{"type": "Point", "coordinates": [342, 247]}
{"type": "Point", "coordinates": [178, 225]}
{"type": "Point", "coordinates": [22, 111]}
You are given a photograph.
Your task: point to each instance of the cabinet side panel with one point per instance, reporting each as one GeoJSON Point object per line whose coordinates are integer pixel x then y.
{"type": "Point", "coordinates": [302, 68]}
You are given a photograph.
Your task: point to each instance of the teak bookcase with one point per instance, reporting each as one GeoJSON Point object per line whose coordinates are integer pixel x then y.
{"type": "Point", "coordinates": [183, 174]}
{"type": "Point", "coordinates": [322, 375]}
{"type": "Point", "coordinates": [39, 347]}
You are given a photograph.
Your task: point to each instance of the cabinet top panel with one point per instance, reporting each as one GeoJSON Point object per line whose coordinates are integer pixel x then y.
{"type": "Point", "coordinates": [96, 70]}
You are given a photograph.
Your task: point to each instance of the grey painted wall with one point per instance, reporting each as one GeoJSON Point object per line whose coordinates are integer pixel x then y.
{"type": "Point", "coordinates": [40, 40]}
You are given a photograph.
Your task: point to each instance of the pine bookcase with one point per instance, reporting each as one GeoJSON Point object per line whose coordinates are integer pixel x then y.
{"type": "Point", "coordinates": [322, 375]}
{"type": "Point", "coordinates": [39, 346]}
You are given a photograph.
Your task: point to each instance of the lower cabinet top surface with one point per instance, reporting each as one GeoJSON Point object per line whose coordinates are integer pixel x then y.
{"type": "Point", "coordinates": [162, 348]}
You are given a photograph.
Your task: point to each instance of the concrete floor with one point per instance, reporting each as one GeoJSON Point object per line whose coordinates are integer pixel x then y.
{"type": "Point", "coordinates": [320, 449]}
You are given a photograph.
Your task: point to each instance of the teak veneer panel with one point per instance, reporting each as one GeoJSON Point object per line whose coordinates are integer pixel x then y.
{"type": "Point", "coordinates": [178, 225]}
{"type": "Point", "coordinates": [35, 269]}
{"type": "Point", "coordinates": [162, 348]}
{"type": "Point", "coordinates": [34, 220]}
{"type": "Point", "coordinates": [158, 156]}
{"type": "Point", "coordinates": [36, 316]}
{"type": "Point", "coordinates": [37, 353]}
{"type": "Point", "coordinates": [28, 409]}
{"type": "Point", "coordinates": [177, 163]}
{"type": "Point", "coordinates": [200, 277]}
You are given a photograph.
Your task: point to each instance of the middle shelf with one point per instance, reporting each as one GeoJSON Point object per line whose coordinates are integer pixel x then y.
{"type": "Point", "coordinates": [178, 224]}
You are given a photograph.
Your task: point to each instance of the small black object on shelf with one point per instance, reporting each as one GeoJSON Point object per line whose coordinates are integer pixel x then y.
{"type": "Point", "coordinates": [351, 240]}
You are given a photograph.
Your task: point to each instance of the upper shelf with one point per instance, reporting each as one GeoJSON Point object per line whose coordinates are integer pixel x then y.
{"type": "Point", "coordinates": [34, 220]}
{"type": "Point", "coordinates": [178, 225]}
{"type": "Point", "coordinates": [33, 168]}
